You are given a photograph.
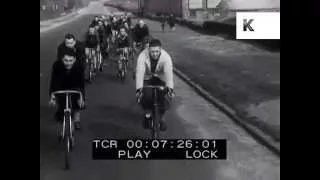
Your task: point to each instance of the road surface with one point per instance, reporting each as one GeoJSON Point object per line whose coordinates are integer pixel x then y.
{"type": "Point", "coordinates": [112, 113]}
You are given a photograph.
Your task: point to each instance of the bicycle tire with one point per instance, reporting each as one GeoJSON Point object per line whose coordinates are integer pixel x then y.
{"type": "Point", "coordinates": [124, 70]}
{"type": "Point", "coordinates": [123, 76]}
{"type": "Point", "coordinates": [89, 70]}
{"type": "Point", "coordinates": [67, 143]}
{"type": "Point", "coordinates": [92, 72]}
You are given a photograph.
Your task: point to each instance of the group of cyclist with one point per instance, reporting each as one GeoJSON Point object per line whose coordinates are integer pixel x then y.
{"type": "Point", "coordinates": [109, 36]}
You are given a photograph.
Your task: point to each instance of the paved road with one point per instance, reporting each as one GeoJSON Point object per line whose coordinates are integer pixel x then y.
{"type": "Point", "coordinates": [112, 113]}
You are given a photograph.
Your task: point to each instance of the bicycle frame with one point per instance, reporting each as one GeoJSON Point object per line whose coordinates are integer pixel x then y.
{"type": "Point", "coordinates": [155, 110]}
{"type": "Point", "coordinates": [122, 63]}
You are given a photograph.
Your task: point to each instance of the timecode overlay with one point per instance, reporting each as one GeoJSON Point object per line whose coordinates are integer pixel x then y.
{"type": "Point", "coordinates": [166, 149]}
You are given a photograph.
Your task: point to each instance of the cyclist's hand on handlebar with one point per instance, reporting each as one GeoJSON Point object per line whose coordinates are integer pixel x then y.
{"type": "Point", "coordinates": [171, 94]}
{"type": "Point", "coordinates": [52, 101]}
{"type": "Point", "coordinates": [138, 95]}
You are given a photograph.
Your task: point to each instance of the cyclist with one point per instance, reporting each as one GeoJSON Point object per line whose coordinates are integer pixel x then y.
{"type": "Point", "coordinates": [127, 27]}
{"type": "Point", "coordinates": [114, 28]}
{"type": "Point", "coordinates": [123, 39]}
{"type": "Point", "coordinates": [102, 38]}
{"type": "Point", "coordinates": [163, 22]}
{"type": "Point", "coordinates": [67, 74]}
{"type": "Point", "coordinates": [140, 31]}
{"type": "Point", "coordinates": [128, 19]}
{"type": "Point", "coordinates": [123, 42]}
{"type": "Point", "coordinates": [108, 29]}
{"type": "Point", "coordinates": [70, 42]}
{"type": "Point", "coordinates": [154, 60]}
{"type": "Point", "coordinates": [92, 43]}
{"type": "Point", "coordinates": [115, 24]}
{"type": "Point", "coordinates": [108, 33]}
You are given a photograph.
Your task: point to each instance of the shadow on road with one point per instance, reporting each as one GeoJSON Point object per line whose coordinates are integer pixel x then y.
{"type": "Point", "coordinates": [48, 135]}
{"type": "Point", "coordinates": [115, 121]}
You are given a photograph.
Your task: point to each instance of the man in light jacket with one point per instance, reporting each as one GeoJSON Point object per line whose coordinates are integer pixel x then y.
{"type": "Point", "coordinates": [154, 67]}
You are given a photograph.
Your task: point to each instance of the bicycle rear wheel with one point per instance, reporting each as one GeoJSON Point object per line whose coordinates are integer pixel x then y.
{"type": "Point", "coordinates": [91, 71]}
{"type": "Point", "coordinates": [124, 71]}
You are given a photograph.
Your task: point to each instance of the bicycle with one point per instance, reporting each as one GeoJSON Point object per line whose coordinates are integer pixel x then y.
{"type": "Point", "coordinates": [67, 127]}
{"type": "Point", "coordinates": [155, 113]}
{"type": "Point", "coordinates": [99, 64]}
{"type": "Point", "coordinates": [122, 64]}
{"type": "Point", "coordinates": [91, 64]}
{"type": "Point", "coordinates": [163, 25]}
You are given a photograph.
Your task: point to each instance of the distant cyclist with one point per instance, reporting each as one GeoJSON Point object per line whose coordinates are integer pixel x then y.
{"type": "Point", "coordinates": [163, 21]}
{"type": "Point", "coordinates": [92, 43]}
{"type": "Point", "coordinates": [95, 21]}
{"type": "Point", "coordinates": [123, 40]}
{"type": "Point", "coordinates": [172, 22]}
{"type": "Point", "coordinates": [140, 31]}
{"type": "Point", "coordinates": [102, 37]}
{"type": "Point", "coordinates": [123, 44]}
{"type": "Point", "coordinates": [154, 60]}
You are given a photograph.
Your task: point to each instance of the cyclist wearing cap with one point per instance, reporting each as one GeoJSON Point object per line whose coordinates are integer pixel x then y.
{"type": "Point", "coordinates": [102, 34]}
{"type": "Point", "coordinates": [67, 74]}
{"type": "Point", "coordinates": [154, 61]}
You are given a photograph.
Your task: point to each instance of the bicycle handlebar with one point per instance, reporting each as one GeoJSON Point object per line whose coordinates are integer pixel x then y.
{"type": "Point", "coordinates": [68, 92]}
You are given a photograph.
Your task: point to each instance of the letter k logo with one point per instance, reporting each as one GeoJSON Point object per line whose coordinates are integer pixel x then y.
{"type": "Point", "coordinates": [247, 25]}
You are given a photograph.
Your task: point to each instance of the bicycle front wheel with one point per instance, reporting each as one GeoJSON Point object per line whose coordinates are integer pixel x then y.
{"type": "Point", "coordinates": [155, 124]}
{"type": "Point", "coordinates": [67, 142]}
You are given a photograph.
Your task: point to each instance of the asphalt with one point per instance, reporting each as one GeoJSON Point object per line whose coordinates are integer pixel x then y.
{"type": "Point", "coordinates": [112, 113]}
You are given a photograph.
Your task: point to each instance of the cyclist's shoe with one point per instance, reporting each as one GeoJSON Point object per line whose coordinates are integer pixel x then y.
{"type": "Point", "coordinates": [77, 125]}
{"type": "Point", "coordinates": [163, 126]}
{"type": "Point", "coordinates": [147, 121]}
